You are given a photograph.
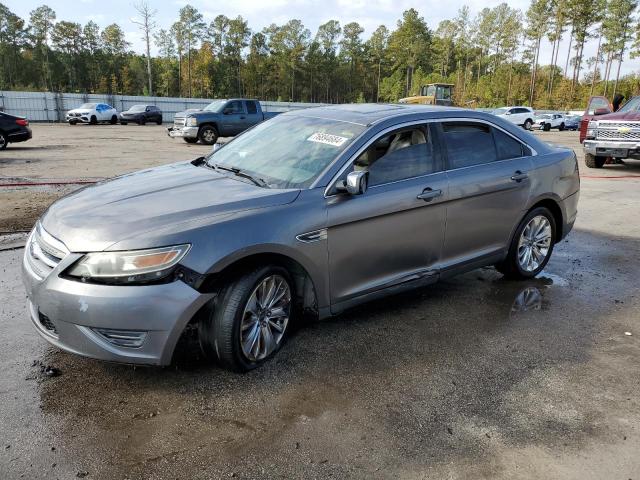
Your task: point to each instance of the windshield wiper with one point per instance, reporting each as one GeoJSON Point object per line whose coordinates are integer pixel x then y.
{"type": "Point", "coordinates": [240, 173]}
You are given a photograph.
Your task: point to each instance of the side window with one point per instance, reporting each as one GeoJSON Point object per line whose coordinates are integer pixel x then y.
{"type": "Point", "coordinates": [397, 156]}
{"type": "Point", "coordinates": [508, 147]}
{"type": "Point", "coordinates": [235, 106]}
{"type": "Point", "coordinates": [468, 144]}
{"type": "Point", "coordinates": [251, 108]}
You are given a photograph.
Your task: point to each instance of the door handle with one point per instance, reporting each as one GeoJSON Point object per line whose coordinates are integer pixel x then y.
{"type": "Point", "coordinates": [519, 176]}
{"type": "Point", "coordinates": [428, 194]}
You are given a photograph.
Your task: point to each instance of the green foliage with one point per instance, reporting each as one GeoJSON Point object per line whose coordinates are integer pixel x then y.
{"type": "Point", "coordinates": [493, 58]}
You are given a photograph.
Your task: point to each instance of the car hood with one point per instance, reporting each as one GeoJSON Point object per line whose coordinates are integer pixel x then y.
{"type": "Point", "coordinates": [80, 110]}
{"type": "Point", "coordinates": [97, 217]}
{"type": "Point", "coordinates": [631, 116]}
{"type": "Point", "coordinates": [189, 111]}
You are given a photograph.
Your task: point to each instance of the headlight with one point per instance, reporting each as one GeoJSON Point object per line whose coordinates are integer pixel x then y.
{"type": "Point", "coordinates": [136, 266]}
{"type": "Point", "coordinates": [592, 129]}
{"type": "Point", "coordinates": [192, 122]}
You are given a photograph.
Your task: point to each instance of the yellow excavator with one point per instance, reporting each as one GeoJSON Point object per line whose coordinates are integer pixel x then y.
{"type": "Point", "coordinates": [432, 94]}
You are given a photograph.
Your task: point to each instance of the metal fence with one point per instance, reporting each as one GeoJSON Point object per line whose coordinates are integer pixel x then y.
{"type": "Point", "coordinates": [53, 106]}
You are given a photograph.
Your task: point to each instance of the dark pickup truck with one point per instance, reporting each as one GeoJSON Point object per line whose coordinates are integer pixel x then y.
{"type": "Point", "coordinates": [221, 118]}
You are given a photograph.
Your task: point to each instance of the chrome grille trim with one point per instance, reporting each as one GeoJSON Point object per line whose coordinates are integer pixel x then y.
{"type": "Point", "coordinates": [615, 130]}
{"type": "Point", "coordinates": [44, 252]}
{"type": "Point", "coordinates": [179, 121]}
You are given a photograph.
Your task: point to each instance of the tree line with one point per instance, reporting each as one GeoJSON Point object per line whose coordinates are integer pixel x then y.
{"type": "Point", "coordinates": [494, 57]}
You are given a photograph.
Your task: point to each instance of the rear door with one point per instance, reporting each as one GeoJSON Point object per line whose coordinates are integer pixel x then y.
{"type": "Point", "coordinates": [254, 114]}
{"type": "Point", "coordinates": [489, 188]}
{"type": "Point", "coordinates": [234, 118]}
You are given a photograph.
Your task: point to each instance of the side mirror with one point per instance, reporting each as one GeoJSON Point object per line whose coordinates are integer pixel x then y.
{"type": "Point", "coordinates": [507, 113]}
{"type": "Point", "coordinates": [356, 183]}
{"type": "Point", "coordinates": [601, 111]}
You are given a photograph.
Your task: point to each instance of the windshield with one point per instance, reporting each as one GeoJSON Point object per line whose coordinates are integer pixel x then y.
{"type": "Point", "coordinates": [216, 106]}
{"type": "Point", "coordinates": [138, 108]}
{"type": "Point", "coordinates": [88, 106]}
{"type": "Point", "coordinates": [631, 106]}
{"type": "Point", "coordinates": [544, 115]}
{"type": "Point", "coordinates": [288, 151]}
{"type": "Point", "coordinates": [500, 111]}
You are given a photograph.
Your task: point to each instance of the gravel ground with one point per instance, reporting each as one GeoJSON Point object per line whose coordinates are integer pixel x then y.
{"type": "Point", "coordinates": [476, 377]}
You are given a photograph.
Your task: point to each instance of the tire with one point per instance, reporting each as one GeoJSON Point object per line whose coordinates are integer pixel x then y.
{"type": "Point", "coordinates": [190, 140]}
{"type": "Point", "coordinates": [208, 135]}
{"type": "Point", "coordinates": [520, 266]}
{"type": "Point", "coordinates": [124, 123]}
{"type": "Point", "coordinates": [227, 324]}
{"type": "Point", "coordinates": [142, 122]}
{"type": "Point", "coordinates": [4, 141]}
{"type": "Point", "coordinates": [93, 120]}
{"type": "Point", "coordinates": [528, 123]}
{"type": "Point", "coordinates": [593, 161]}
{"type": "Point", "coordinates": [561, 127]}
{"type": "Point", "coordinates": [547, 127]}
{"type": "Point", "coordinates": [159, 122]}
{"type": "Point", "coordinates": [113, 120]}
{"type": "Point", "coordinates": [73, 122]}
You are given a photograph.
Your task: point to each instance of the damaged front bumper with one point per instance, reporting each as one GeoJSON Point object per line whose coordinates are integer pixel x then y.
{"type": "Point", "coordinates": [128, 324]}
{"type": "Point", "coordinates": [184, 132]}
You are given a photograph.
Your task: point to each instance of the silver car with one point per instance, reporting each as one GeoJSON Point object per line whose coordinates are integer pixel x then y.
{"type": "Point", "coordinates": [312, 212]}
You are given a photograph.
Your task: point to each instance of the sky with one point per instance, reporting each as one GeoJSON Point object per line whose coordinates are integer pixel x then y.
{"type": "Point", "coordinates": [369, 13]}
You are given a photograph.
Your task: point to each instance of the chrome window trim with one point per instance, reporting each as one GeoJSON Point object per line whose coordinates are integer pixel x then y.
{"type": "Point", "coordinates": [387, 130]}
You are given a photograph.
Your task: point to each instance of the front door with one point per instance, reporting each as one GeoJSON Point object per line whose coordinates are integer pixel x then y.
{"type": "Point", "coordinates": [391, 236]}
{"type": "Point", "coordinates": [488, 189]}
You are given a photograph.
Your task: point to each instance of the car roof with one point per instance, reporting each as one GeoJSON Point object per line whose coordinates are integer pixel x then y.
{"type": "Point", "coordinates": [370, 113]}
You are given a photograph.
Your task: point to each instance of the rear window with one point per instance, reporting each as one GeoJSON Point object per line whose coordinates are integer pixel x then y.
{"type": "Point", "coordinates": [468, 144]}
{"type": "Point", "coordinates": [251, 108]}
{"type": "Point", "coordinates": [507, 146]}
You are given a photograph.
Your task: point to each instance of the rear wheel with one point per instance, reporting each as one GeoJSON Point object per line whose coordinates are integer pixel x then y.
{"type": "Point", "coordinates": [528, 124]}
{"type": "Point", "coordinates": [113, 120]}
{"type": "Point", "coordinates": [159, 121]}
{"type": "Point", "coordinates": [531, 246]}
{"type": "Point", "coordinates": [208, 135]}
{"type": "Point", "coordinates": [247, 322]}
{"type": "Point", "coordinates": [4, 141]}
{"type": "Point", "coordinates": [123, 123]}
{"type": "Point", "coordinates": [190, 140]}
{"type": "Point", "coordinates": [593, 161]}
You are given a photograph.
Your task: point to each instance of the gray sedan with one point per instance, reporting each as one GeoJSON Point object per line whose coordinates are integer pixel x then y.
{"type": "Point", "coordinates": [309, 213]}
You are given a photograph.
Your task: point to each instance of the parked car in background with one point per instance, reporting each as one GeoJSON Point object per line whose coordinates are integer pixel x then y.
{"type": "Point", "coordinates": [92, 113]}
{"type": "Point", "coordinates": [13, 129]}
{"type": "Point", "coordinates": [522, 116]}
{"type": "Point", "coordinates": [221, 118]}
{"type": "Point", "coordinates": [547, 121]}
{"type": "Point", "coordinates": [141, 114]}
{"type": "Point", "coordinates": [610, 136]}
{"type": "Point", "coordinates": [312, 211]}
{"type": "Point", "coordinates": [572, 122]}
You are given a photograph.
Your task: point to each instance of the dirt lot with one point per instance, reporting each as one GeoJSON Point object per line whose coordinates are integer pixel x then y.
{"type": "Point", "coordinates": [476, 377]}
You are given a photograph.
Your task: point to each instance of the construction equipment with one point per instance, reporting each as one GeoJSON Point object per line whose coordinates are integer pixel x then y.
{"type": "Point", "coordinates": [432, 94]}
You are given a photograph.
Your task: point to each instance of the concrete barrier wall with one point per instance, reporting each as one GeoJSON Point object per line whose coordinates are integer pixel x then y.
{"type": "Point", "coordinates": [52, 107]}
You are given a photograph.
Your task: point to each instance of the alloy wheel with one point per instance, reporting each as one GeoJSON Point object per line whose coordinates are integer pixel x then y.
{"type": "Point", "coordinates": [265, 318]}
{"type": "Point", "coordinates": [534, 243]}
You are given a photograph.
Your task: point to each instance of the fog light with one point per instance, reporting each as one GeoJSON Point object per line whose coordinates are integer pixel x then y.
{"type": "Point", "coordinates": [122, 338]}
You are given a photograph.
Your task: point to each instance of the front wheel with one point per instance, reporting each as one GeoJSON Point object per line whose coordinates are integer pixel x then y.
{"type": "Point", "coordinates": [547, 127]}
{"type": "Point", "coordinates": [73, 122]}
{"type": "Point", "coordinates": [208, 135]}
{"type": "Point", "coordinates": [593, 161]}
{"type": "Point", "coordinates": [531, 246]}
{"type": "Point", "coordinates": [561, 127]}
{"type": "Point", "coordinates": [247, 322]}
{"type": "Point", "coordinates": [123, 123]}
{"type": "Point", "coordinates": [93, 120]}
{"type": "Point", "coordinates": [190, 140]}
{"type": "Point", "coordinates": [528, 124]}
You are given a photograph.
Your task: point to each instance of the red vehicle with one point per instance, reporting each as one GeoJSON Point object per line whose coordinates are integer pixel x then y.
{"type": "Point", "coordinates": [606, 134]}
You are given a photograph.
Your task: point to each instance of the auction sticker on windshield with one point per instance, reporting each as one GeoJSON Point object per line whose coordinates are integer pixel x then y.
{"type": "Point", "coordinates": [328, 139]}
